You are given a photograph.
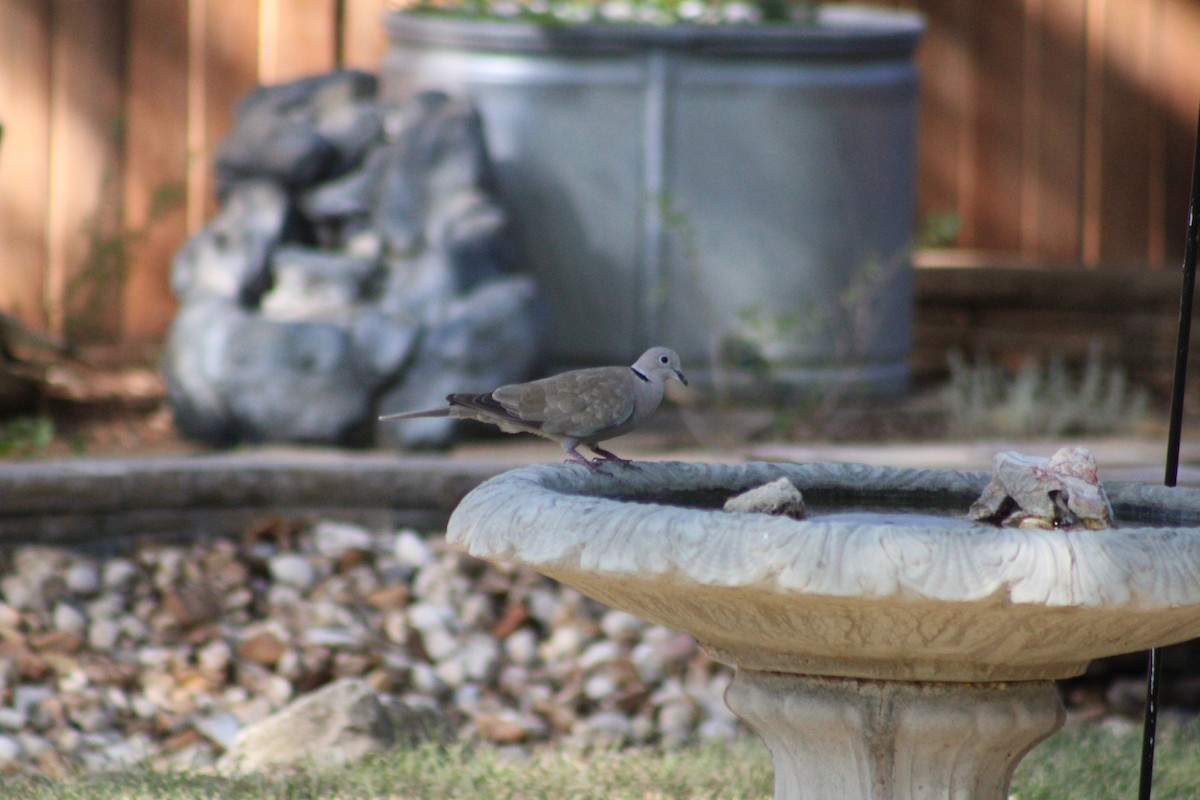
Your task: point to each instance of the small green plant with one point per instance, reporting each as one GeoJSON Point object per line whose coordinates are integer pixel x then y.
{"type": "Point", "coordinates": [983, 399]}
{"type": "Point", "coordinates": [25, 436]}
{"type": "Point", "coordinates": [940, 229]}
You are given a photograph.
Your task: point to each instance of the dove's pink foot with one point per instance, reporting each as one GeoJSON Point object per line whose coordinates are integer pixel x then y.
{"type": "Point", "coordinates": [581, 459]}
{"type": "Point", "coordinates": [610, 457]}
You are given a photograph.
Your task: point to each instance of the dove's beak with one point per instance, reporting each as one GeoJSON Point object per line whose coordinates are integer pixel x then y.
{"type": "Point", "coordinates": [682, 379]}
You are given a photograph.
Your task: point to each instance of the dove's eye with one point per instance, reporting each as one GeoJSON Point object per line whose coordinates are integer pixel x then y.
{"type": "Point", "coordinates": [663, 359]}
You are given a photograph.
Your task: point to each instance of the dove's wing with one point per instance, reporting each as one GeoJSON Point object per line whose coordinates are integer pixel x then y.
{"type": "Point", "coordinates": [584, 404]}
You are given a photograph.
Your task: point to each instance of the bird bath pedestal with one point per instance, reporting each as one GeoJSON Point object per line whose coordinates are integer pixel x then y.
{"type": "Point", "coordinates": [885, 647]}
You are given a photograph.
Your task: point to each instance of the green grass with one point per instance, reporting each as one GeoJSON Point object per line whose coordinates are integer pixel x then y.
{"type": "Point", "coordinates": [1082, 763]}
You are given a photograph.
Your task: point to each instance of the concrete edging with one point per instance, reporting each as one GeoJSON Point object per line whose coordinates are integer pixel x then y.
{"type": "Point", "coordinates": [103, 500]}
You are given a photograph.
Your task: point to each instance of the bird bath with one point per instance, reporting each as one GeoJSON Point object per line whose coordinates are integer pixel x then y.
{"type": "Point", "coordinates": [885, 648]}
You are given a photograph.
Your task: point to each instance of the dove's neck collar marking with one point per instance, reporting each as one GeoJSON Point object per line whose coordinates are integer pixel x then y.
{"type": "Point", "coordinates": [641, 375]}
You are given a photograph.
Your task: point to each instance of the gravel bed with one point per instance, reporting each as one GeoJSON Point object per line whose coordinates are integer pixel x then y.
{"type": "Point", "coordinates": [162, 653]}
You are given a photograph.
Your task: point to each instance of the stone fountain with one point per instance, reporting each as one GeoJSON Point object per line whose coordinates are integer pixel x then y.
{"type": "Point", "coordinates": [885, 646]}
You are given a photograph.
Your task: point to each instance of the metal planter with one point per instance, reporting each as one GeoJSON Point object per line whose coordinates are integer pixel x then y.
{"type": "Point", "coordinates": [743, 194]}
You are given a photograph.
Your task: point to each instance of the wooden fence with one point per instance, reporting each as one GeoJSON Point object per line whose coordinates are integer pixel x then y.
{"type": "Point", "coordinates": [1053, 131]}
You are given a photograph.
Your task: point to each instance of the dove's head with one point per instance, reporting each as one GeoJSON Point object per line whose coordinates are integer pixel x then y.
{"type": "Point", "coordinates": [661, 363]}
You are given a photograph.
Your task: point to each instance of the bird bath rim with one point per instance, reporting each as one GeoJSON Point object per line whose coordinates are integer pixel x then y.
{"type": "Point", "coordinates": [850, 598]}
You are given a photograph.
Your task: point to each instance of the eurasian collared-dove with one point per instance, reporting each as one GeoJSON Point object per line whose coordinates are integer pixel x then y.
{"type": "Point", "coordinates": [584, 406]}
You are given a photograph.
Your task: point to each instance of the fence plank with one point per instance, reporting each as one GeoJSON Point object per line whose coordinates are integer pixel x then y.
{"type": "Point", "coordinates": [997, 40]}
{"type": "Point", "coordinates": [364, 37]}
{"type": "Point", "coordinates": [1177, 95]}
{"type": "Point", "coordinates": [85, 131]}
{"type": "Point", "coordinates": [24, 156]}
{"type": "Point", "coordinates": [1054, 87]}
{"type": "Point", "coordinates": [296, 38]}
{"type": "Point", "coordinates": [945, 86]}
{"type": "Point", "coordinates": [1126, 116]}
{"type": "Point", "coordinates": [223, 66]}
{"type": "Point", "coordinates": [156, 161]}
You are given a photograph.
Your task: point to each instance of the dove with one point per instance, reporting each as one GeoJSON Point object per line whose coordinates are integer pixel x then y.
{"type": "Point", "coordinates": [580, 407]}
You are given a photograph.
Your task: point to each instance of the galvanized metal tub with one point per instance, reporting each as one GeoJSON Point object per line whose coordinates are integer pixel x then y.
{"type": "Point", "coordinates": [745, 192]}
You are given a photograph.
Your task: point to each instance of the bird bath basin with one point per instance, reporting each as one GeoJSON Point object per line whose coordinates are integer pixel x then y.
{"type": "Point", "coordinates": [885, 648]}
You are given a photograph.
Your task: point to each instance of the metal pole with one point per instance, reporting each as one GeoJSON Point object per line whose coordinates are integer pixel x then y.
{"type": "Point", "coordinates": [1174, 435]}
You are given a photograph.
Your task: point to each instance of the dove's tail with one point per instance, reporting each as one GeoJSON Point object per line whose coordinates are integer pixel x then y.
{"type": "Point", "coordinates": [431, 412]}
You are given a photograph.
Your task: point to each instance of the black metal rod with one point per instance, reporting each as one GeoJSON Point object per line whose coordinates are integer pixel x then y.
{"type": "Point", "coordinates": [1174, 435]}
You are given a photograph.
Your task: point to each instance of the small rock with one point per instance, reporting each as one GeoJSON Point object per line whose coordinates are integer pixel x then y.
{"type": "Point", "coordinates": [339, 724]}
{"type": "Point", "coordinates": [10, 751]}
{"type": "Point", "coordinates": [83, 579]}
{"type": "Point", "coordinates": [221, 728]}
{"type": "Point", "coordinates": [69, 619]}
{"type": "Point", "coordinates": [389, 597]}
{"type": "Point", "coordinates": [508, 727]}
{"type": "Point", "coordinates": [522, 647]}
{"type": "Point", "coordinates": [779, 498]}
{"type": "Point", "coordinates": [333, 636]}
{"type": "Point", "coordinates": [599, 653]}
{"type": "Point", "coordinates": [335, 539]}
{"type": "Point", "coordinates": [263, 647]}
{"type": "Point", "coordinates": [20, 593]}
{"type": "Point", "coordinates": [621, 626]}
{"type": "Point", "coordinates": [604, 727]}
{"type": "Point", "coordinates": [103, 634]}
{"type": "Point", "coordinates": [676, 721]}
{"type": "Point", "coordinates": [717, 730]}
{"type": "Point", "coordinates": [13, 719]}
{"type": "Point", "coordinates": [411, 550]}
{"type": "Point", "coordinates": [598, 687]}
{"type": "Point", "coordinates": [215, 656]}
{"type": "Point", "coordinates": [119, 575]}
{"type": "Point", "coordinates": [9, 617]}
{"type": "Point", "coordinates": [192, 603]}
{"type": "Point", "coordinates": [293, 570]}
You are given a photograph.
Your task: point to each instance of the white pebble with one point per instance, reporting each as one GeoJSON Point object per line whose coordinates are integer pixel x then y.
{"type": "Point", "coordinates": [604, 726]}
{"type": "Point", "coordinates": [221, 727]}
{"type": "Point", "coordinates": [83, 579]}
{"type": "Point", "coordinates": [513, 679]}
{"type": "Point", "coordinates": [599, 653]}
{"type": "Point", "coordinates": [649, 662]}
{"type": "Point", "coordinates": [565, 642]}
{"type": "Point", "coordinates": [215, 656]}
{"type": "Point", "coordinates": [451, 672]}
{"type": "Point", "coordinates": [675, 721]}
{"type": "Point", "coordinates": [425, 681]}
{"type": "Point", "coordinates": [522, 647]}
{"type": "Point", "coordinates": [717, 730]}
{"type": "Point", "coordinates": [69, 619]}
{"type": "Point", "coordinates": [621, 626]}
{"type": "Point", "coordinates": [10, 750]}
{"type": "Point", "coordinates": [335, 539]}
{"type": "Point", "coordinates": [293, 570]}
{"type": "Point", "coordinates": [467, 697]}
{"type": "Point", "coordinates": [543, 605]}
{"type": "Point", "coordinates": [599, 687]}
{"type": "Point", "coordinates": [12, 719]}
{"type": "Point", "coordinates": [439, 644]}
{"type": "Point", "coordinates": [430, 616]}
{"type": "Point", "coordinates": [119, 575]}
{"type": "Point", "coordinates": [480, 655]}
{"type": "Point", "coordinates": [103, 634]}
{"type": "Point", "coordinates": [411, 550]}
